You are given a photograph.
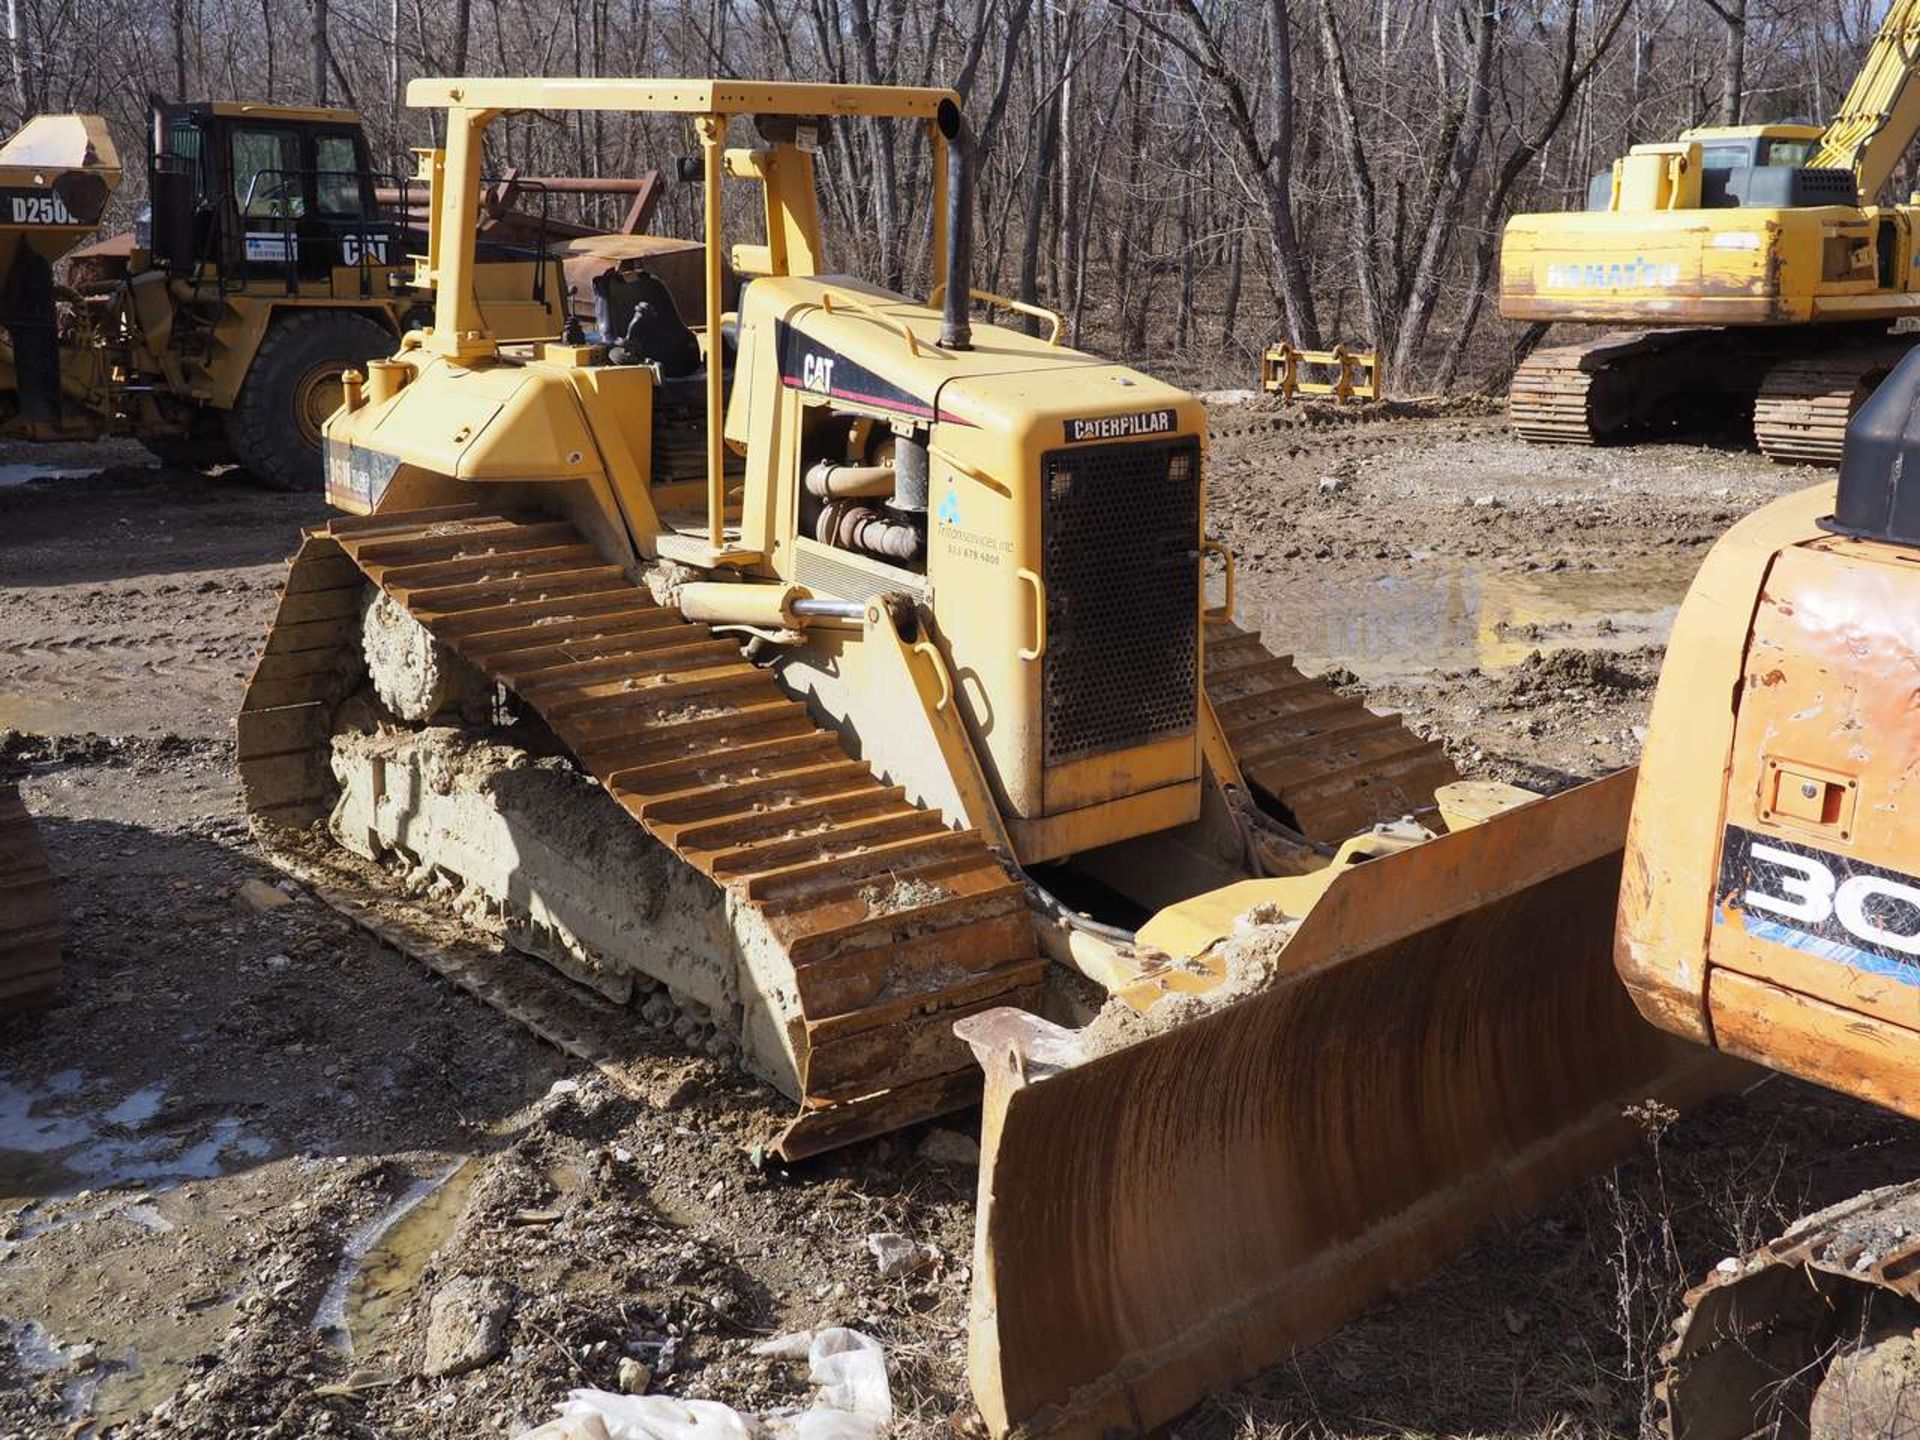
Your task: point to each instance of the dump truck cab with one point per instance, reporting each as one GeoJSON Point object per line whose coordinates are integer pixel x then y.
{"type": "Point", "coordinates": [264, 192]}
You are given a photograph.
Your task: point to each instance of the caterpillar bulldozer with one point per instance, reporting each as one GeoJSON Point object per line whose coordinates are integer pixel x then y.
{"type": "Point", "coordinates": [1771, 910]}
{"type": "Point", "coordinates": [1758, 273]}
{"type": "Point", "coordinates": [837, 671]}
{"type": "Point", "coordinates": [29, 910]}
{"type": "Point", "coordinates": [271, 258]}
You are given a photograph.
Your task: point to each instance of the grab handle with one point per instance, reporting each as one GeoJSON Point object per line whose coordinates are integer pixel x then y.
{"type": "Point", "coordinates": [1039, 614]}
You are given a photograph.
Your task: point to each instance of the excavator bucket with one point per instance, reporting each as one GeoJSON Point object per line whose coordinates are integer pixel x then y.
{"type": "Point", "coordinates": [1170, 1204]}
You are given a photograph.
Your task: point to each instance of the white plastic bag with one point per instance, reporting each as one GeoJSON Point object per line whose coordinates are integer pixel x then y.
{"type": "Point", "coordinates": [852, 1401]}
{"type": "Point", "coordinates": [653, 1417]}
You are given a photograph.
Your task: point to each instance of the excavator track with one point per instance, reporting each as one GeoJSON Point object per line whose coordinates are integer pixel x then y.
{"type": "Point", "coordinates": [29, 910]}
{"type": "Point", "coordinates": [891, 925]}
{"type": "Point", "coordinates": [1633, 382]}
{"type": "Point", "coordinates": [1576, 394]}
{"type": "Point", "coordinates": [1763, 1337]}
{"type": "Point", "coordinates": [1805, 403]}
{"type": "Point", "coordinates": [1335, 766]}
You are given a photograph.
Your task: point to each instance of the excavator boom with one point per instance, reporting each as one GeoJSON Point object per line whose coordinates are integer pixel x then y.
{"type": "Point", "coordinates": [1880, 116]}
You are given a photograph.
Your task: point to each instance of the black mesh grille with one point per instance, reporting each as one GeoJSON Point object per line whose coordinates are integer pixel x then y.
{"type": "Point", "coordinates": [1122, 531]}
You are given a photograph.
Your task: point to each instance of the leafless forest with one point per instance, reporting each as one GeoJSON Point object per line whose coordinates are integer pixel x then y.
{"type": "Point", "coordinates": [1184, 179]}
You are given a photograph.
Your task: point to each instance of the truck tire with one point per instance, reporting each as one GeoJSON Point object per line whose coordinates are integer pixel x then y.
{"type": "Point", "coordinates": [291, 388]}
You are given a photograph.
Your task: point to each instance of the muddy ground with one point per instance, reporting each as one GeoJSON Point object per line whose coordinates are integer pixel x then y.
{"type": "Point", "coordinates": [205, 1143]}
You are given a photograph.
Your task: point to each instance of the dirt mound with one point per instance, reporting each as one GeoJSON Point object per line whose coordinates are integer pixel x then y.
{"type": "Point", "coordinates": [1614, 675]}
{"type": "Point", "coordinates": [1270, 412]}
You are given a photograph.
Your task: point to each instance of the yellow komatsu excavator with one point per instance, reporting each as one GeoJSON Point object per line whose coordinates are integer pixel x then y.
{"type": "Point", "coordinates": [1755, 265]}
{"type": "Point", "coordinates": [840, 671]}
{"type": "Point", "coordinates": [1771, 909]}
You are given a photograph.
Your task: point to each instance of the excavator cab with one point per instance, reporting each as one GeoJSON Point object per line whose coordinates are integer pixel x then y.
{"type": "Point", "coordinates": [263, 193]}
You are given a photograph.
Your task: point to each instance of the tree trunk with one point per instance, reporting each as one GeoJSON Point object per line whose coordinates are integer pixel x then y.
{"type": "Point", "coordinates": [1423, 294]}
{"type": "Point", "coordinates": [1289, 267]}
{"type": "Point", "coordinates": [1734, 72]}
{"type": "Point", "coordinates": [1363, 211]}
{"type": "Point", "coordinates": [885, 218]}
{"type": "Point", "coordinates": [180, 22]}
{"type": "Point", "coordinates": [462, 30]}
{"type": "Point", "coordinates": [319, 54]}
{"type": "Point", "coordinates": [1236, 271]}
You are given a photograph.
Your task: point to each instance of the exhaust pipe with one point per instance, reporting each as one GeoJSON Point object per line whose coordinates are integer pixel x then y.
{"type": "Point", "coordinates": [956, 330]}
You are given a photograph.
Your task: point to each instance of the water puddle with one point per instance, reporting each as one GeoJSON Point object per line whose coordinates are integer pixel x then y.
{"type": "Point", "coordinates": [382, 1262]}
{"type": "Point", "coordinates": [11, 475]}
{"type": "Point", "coordinates": [56, 1140]}
{"type": "Point", "coordinates": [1450, 616]}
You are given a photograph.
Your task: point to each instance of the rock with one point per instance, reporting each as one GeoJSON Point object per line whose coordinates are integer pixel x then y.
{"type": "Point", "coordinates": [949, 1147]}
{"type": "Point", "coordinates": [1486, 502]}
{"type": "Point", "coordinates": [262, 897]}
{"type": "Point", "coordinates": [277, 963]}
{"type": "Point", "coordinates": [634, 1377]}
{"type": "Point", "coordinates": [466, 1326]}
{"type": "Point", "coordinates": [1332, 484]}
{"type": "Point", "coordinates": [896, 1255]}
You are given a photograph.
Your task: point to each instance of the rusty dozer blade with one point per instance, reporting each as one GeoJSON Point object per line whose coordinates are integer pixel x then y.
{"type": "Point", "coordinates": [1442, 1039]}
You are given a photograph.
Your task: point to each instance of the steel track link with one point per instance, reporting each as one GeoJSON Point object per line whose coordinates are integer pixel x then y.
{"type": "Point", "coordinates": [1805, 404]}
{"type": "Point", "coordinates": [1332, 763]}
{"type": "Point", "coordinates": [1754, 1339]}
{"type": "Point", "coordinates": [713, 759]}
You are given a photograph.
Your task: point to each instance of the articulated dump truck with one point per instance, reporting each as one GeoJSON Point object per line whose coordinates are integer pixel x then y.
{"type": "Point", "coordinates": [846, 667]}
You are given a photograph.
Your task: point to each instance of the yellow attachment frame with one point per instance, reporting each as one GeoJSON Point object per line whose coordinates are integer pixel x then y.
{"type": "Point", "coordinates": [1357, 372]}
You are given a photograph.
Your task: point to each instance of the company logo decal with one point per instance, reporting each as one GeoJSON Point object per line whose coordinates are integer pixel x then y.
{"type": "Point", "coordinates": [1863, 916]}
{"type": "Point", "coordinates": [1634, 274]}
{"type": "Point", "coordinates": [1121, 427]}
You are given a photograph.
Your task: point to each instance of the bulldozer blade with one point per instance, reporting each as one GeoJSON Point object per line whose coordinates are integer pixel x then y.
{"type": "Point", "coordinates": [1442, 1041]}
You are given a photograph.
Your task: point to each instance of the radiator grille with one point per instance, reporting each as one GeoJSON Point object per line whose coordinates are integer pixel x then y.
{"type": "Point", "coordinates": [1122, 534]}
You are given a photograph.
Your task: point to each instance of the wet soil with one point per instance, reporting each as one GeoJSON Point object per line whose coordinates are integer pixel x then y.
{"type": "Point", "coordinates": [247, 1145]}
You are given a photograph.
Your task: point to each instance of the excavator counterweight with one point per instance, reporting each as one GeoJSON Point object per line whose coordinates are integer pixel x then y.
{"type": "Point", "coordinates": [1771, 911]}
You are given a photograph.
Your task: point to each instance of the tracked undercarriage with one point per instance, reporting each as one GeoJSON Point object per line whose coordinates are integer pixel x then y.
{"type": "Point", "coordinates": [1816, 1334]}
{"type": "Point", "coordinates": [29, 909]}
{"type": "Point", "coordinates": [856, 926]}
{"type": "Point", "coordinates": [1799, 390]}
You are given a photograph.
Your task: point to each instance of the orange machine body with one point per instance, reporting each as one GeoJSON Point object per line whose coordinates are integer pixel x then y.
{"type": "Point", "coordinates": [1770, 904]}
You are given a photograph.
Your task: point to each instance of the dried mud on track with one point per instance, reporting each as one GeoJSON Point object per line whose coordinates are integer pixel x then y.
{"type": "Point", "coordinates": [245, 1129]}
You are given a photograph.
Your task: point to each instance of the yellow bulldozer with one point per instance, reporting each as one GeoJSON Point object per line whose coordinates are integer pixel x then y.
{"type": "Point", "coordinates": [1760, 275]}
{"type": "Point", "coordinates": [845, 665]}
{"type": "Point", "coordinates": [272, 256]}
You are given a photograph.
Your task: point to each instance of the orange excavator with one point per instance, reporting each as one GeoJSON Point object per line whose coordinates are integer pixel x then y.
{"type": "Point", "coordinates": [1770, 909]}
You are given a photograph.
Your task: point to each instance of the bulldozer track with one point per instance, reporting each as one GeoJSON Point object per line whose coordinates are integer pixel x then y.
{"type": "Point", "coordinates": [894, 924]}
{"type": "Point", "coordinates": [1753, 1338]}
{"type": "Point", "coordinates": [29, 908]}
{"type": "Point", "coordinates": [1805, 403]}
{"type": "Point", "coordinates": [1336, 766]}
{"type": "Point", "coordinates": [712, 758]}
